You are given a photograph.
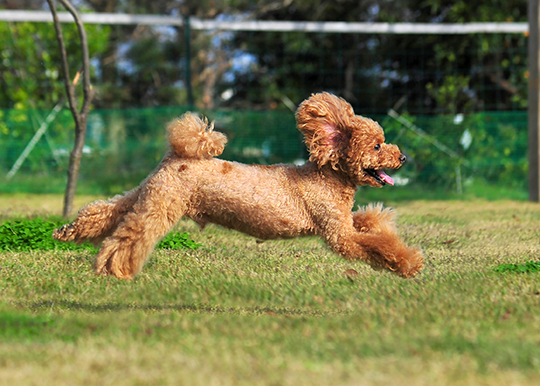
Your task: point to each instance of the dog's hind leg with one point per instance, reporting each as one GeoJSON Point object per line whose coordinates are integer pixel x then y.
{"type": "Point", "coordinates": [161, 204]}
{"type": "Point", "coordinates": [98, 220]}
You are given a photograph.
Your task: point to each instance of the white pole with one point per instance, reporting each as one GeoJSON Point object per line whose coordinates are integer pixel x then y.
{"type": "Point", "coordinates": [44, 126]}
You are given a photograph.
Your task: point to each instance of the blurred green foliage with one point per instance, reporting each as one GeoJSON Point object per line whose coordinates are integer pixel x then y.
{"type": "Point", "coordinates": [30, 67]}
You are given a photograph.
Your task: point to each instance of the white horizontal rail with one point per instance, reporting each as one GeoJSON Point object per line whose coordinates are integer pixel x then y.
{"type": "Point", "coordinates": [91, 18]}
{"type": "Point", "coordinates": [279, 26]}
{"type": "Point", "coordinates": [375, 28]}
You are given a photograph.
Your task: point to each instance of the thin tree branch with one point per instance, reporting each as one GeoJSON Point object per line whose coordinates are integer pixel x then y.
{"type": "Point", "coordinates": [70, 89]}
{"type": "Point", "coordinates": [87, 88]}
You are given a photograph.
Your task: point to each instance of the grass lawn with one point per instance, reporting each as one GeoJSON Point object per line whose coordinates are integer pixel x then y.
{"type": "Point", "coordinates": [239, 312]}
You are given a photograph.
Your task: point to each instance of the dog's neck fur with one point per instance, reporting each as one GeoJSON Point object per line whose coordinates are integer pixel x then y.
{"type": "Point", "coordinates": [339, 177]}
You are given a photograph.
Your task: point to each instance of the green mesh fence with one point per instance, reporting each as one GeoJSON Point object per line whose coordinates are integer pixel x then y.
{"type": "Point", "coordinates": [123, 146]}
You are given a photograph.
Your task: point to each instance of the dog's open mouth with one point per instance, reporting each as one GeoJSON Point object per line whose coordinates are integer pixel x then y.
{"type": "Point", "coordinates": [380, 176]}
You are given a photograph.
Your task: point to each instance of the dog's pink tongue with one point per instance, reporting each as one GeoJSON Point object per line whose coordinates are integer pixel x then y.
{"type": "Point", "coordinates": [385, 177]}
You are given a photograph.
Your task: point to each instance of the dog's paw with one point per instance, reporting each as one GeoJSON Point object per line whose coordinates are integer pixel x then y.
{"type": "Point", "coordinates": [65, 233]}
{"type": "Point", "coordinates": [103, 271]}
{"type": "Point", "coordinates": [410, 263]}
{"type": "Point", "coordinates": [111, 265]}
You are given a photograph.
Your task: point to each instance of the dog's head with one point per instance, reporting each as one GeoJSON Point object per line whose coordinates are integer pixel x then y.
{"type": "Point", "coordinates": [335, 135]}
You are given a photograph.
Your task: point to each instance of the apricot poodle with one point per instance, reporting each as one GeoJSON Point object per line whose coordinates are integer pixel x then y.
{"type": "Point", "coordinates": [268, 202]}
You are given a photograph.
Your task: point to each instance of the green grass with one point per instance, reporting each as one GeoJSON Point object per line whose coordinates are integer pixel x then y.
{"type": "Point", "coordinates": [238, 312]}
{"type": "Point", "coordinates": [527, 267]}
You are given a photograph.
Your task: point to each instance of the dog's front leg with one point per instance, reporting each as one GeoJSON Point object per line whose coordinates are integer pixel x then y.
{"type": "Point", "coordinates": [382, 249]}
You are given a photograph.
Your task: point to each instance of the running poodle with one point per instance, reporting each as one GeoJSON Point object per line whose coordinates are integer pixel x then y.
{"type": "Point", "coordinates": [268, 202]}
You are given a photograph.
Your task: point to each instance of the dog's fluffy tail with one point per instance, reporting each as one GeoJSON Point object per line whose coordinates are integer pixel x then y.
{"type": "Point", "coordinates": [191, 136]}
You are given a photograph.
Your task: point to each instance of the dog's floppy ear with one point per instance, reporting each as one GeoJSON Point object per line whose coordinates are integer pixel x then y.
{"type": "Point", "coordinates": [324, 121]}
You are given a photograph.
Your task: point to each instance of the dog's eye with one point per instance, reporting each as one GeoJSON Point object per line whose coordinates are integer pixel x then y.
{"type": "Point", "coordinates": [377, 147]}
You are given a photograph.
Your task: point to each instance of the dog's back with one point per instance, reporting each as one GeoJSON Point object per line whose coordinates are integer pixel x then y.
{"type": "Point", "coordinates": [267, 202]}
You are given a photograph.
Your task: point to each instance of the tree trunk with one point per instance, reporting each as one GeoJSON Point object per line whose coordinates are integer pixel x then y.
{"type": "Point", "coordinates": [73, 170]}
{"type": "Point", "coordinates": [80, 117]}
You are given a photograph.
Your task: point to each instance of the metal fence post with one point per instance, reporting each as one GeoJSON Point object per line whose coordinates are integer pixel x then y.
{"type": "Point", "coordinates": [187, 36]}
{"type": "Point", "coordinates": [534, 101]}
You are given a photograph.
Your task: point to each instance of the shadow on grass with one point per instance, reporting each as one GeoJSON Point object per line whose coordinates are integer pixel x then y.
{"type": "Point", "coordinates": [194, 308]}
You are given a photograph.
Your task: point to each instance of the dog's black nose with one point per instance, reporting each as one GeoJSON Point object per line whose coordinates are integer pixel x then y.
{"type": "Point", "coordinates": [402, 158]}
